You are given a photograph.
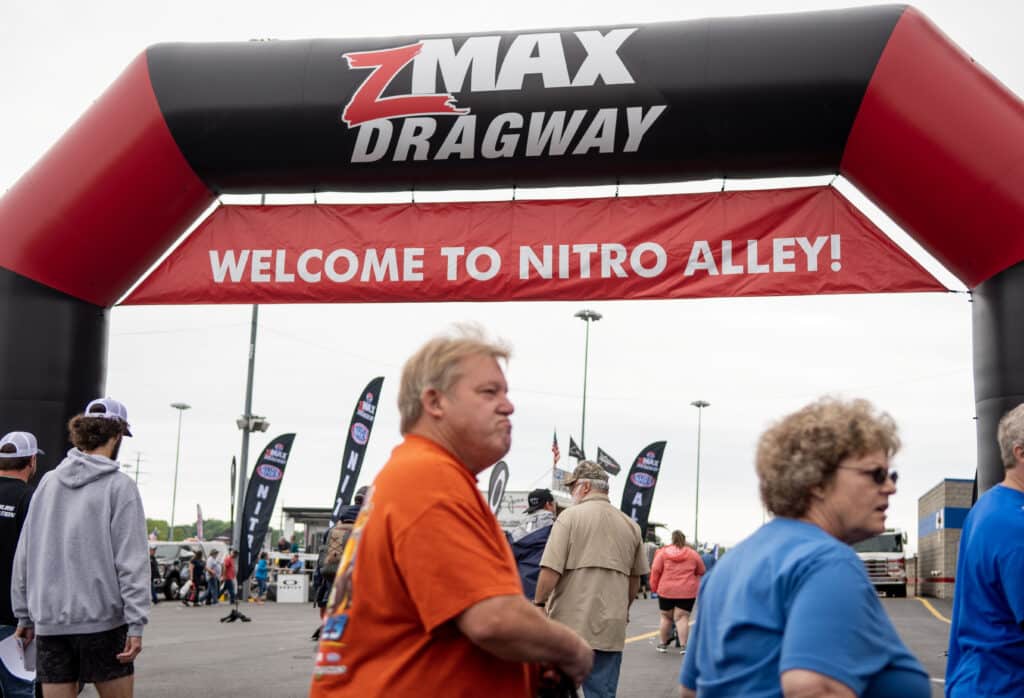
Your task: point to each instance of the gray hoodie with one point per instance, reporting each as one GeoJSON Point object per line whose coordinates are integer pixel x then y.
{"type": "Point", "coordinates": [532, 522]}
{"type": "Point", "coordinates": [82, 564]}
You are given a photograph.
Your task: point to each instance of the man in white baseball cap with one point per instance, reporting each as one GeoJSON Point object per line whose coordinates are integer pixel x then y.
{"type": "Point", "coordinates": [85, 633]}
{"type": "Point", "coordinates": [18, 451]}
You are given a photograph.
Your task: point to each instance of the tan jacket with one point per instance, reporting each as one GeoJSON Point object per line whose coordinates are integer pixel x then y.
{"type": "Point", "coordinates": [596, 548]}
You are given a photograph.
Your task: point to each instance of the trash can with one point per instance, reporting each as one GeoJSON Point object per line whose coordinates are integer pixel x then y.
{"type": "Point", "coordinates": [292, 588]}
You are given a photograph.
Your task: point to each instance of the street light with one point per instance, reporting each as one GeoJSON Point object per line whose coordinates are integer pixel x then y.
{"type": "Point", "coordinates": [700, 405]}
{"type": "Point", "coordinates": [181, 407]}
{"type": "Point", "coordinates": [247, 423]}
{"type": "Point", "coordinates": [586, 316]}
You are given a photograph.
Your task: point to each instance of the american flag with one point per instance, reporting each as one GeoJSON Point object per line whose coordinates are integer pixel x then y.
{"type": "Point", "coordinates": [554, 448]}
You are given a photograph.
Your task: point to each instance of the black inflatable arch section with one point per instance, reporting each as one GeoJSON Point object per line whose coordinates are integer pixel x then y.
{"type": "Point", "coordinates": [879, 95]}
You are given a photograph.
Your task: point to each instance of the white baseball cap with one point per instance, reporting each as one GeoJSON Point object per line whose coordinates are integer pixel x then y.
{"type": "Point", "coordinates": [108, 408]}
{"type": "Point", "coordinates": [24, 443]}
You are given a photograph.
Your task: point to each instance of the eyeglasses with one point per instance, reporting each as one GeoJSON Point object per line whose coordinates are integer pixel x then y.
{"type": "Point", "coordinates": [879, 474]}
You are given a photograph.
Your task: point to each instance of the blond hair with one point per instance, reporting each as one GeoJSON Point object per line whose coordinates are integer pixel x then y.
{"type": "Point", "coordinates": [437, 365]}
{"type": "Point", "coordinates": [803, 450]}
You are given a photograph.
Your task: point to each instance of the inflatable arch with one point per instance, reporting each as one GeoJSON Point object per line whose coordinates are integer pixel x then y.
{"type": "Point", "coordinates": [878, 95]}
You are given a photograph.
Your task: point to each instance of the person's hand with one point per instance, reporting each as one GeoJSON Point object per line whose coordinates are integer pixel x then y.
{"type": "Point", "coordinates": [132, 648]}
{"type": "Point", "coordinates": [578, 666]}
{"type": "Point", "coordinates": [26, 635]}
{"type": "Point", "coordinates": [554, 683]}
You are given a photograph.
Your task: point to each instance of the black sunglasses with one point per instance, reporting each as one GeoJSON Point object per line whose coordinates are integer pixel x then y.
{"type": "Point", "coordinates": [879, 474]}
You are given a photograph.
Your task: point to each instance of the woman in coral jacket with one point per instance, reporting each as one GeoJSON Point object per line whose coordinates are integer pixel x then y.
{"type": "Point", "coordinates": [675, 577]}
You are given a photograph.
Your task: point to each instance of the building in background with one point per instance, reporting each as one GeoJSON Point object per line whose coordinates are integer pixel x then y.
{"type": "Point", "coordinates": [941, 512]}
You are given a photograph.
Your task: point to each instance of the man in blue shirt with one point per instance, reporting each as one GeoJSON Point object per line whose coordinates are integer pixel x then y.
{"type": "Point", "coordinates": [296, 564]}
{"type": "Point", "coordinates": [986, 641]}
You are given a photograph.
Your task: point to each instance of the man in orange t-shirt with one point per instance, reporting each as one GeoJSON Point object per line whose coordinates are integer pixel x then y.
{"type": "Point", "coordinates": [427, 600]}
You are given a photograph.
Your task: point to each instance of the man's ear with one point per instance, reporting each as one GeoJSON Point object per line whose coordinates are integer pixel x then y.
{"type": "Point", "coordinates": [432, 400]}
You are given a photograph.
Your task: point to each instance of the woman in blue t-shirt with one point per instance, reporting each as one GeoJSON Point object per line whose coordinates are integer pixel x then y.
{"type": "Point", "coordinates": [790, 610]}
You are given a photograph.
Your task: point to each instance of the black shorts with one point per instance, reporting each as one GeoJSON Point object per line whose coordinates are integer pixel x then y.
{"type": "Point", "coordinates": [88, 658]}
{"type": "Point", "coordinates": [668, 604]}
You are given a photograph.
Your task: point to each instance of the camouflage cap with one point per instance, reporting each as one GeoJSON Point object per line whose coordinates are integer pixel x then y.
{"type": "Point", "coordinates": [586, 470]}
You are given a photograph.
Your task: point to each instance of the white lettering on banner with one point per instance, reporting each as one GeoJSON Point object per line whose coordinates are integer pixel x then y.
{"type": "Point", "coordinates": [727, 266]}
{"type": "Point", "coordinates": [304, 273]}
{"type": "Point", "coordinates": [376, 133]}
{"type": "Point", "coordinates": [228, 264]}
{"type": "Point", "coordinates": [612, 257]}
{"type": "Point", "coordinates": [378, 267]}
{"type": "Point", "coordinates": [547, 133]}
{"type": "Point", "coordinates": [638, 124]}
{"type": "Point", "coordinates": [428, 103]}
{"type": "Point", "coordinates": [477, 56]}
{"type": "Point", "coordinates": [660, 260]}
{"type": "Point", "coordinates": [782, 253]}
{"type": "Point", "coordinates": [262, 491]}
{"type": "Point", "coordinates": [459, 140]}
{"type": "Point", "coordinates": [496, 132]}
{"type": "Point", "coordinates": [452, 254]}
{"type": "Point", "coordinates": [529, 54]}
{"type": "Point", "coordinates": [553, 132]}
{"type": "Point", "coordinates": [785, 257]}
{"type": "Point", "coordinates": [600, 134]}
{"type": "Point", "coordinates": [415, 135]}
{"type": "Point", "coordinates": [331, 270]}
{"type": "Point", "coordinates": [261, 266]}
{"type": "Point", "coordinates": [279, 272]}
{"type": "Point", "coordinates": [412, 264]}
{"type": "Point", "coordinates": [638, 501]}
{"type": "Point", "coordinates": [473, 263]}
{"type": "Point", "coordinates": [587, 260]}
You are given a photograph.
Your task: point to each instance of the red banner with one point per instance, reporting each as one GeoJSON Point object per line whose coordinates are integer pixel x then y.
{"type": "Point", "coordinates": [742, 243]}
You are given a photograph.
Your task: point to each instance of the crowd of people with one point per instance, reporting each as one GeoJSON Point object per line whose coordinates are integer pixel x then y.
{"type": "Point", "coordinates": [433, 598]}
{"type": "Point", "coordinates": [421, 592]}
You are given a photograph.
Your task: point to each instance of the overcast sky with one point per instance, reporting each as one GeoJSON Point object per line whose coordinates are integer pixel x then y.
{"type": "Point", "coordinates": [752, 359]}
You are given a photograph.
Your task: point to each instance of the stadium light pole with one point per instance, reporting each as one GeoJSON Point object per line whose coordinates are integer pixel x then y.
{"type": "Point", "coordinates": [587, 316]}
{"type": "Point", "coordinates": [700, 405]}
{"type": "Point", "coordinates": [181, 407]}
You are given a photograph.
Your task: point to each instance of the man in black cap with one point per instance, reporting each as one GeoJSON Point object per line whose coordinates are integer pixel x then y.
{"type": "Point", "coordinates": [18, 451]}
{"type": "Point", "coordinates": [530, 537]}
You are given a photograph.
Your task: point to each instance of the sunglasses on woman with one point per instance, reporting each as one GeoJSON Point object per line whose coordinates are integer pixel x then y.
{"type": "Point", "coordinates": [879, 474]}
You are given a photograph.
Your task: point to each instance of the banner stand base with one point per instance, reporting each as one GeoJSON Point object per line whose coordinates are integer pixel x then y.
{"type": "Point", "coordinates": [235, 615]}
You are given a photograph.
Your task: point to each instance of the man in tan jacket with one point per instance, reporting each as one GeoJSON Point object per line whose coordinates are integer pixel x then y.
{"type": "Point", "coordinates": [590, 573]}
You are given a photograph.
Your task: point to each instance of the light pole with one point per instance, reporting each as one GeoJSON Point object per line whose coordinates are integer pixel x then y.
{"type": "Point", "coordinates": [181, 407]}
{"type": "Point", "coordinates": [586, 316]}
{"type": "Point", "coordinates": [700, 405]}
{"type": "Point", "coordinates": [248, 423]}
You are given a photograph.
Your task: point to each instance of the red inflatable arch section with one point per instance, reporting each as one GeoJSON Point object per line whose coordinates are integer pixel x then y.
{"type": "Point", "coordinates": [878, 95]}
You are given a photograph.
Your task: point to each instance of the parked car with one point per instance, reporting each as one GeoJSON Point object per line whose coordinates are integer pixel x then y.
{"type": "Point", "coordinates": [173, 557]}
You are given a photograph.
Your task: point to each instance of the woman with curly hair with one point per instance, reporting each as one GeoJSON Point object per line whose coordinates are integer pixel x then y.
{"type": "Point", "coordinates": [790, 611]}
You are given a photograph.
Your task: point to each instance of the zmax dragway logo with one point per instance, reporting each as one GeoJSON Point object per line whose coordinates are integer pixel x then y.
{"type": "Point", "coordinates": [478, 66]}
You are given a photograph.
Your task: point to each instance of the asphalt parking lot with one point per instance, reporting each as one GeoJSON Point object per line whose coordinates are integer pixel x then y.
{"type": "Point", "coordinates": [187, 651]}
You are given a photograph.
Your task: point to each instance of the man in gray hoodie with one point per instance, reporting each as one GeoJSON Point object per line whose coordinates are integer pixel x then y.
{"type": "Point", "coordinates": [86, 523]}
